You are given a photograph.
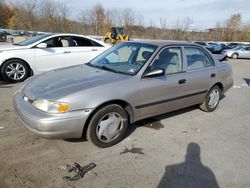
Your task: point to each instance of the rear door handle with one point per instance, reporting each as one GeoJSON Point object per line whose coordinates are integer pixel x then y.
{"type": "Point", "coordinates": [94, 49]}
{"type": "Point", "coordinates": [213, 75]}
{"type": "Point", "coordinates": [182, 81]}
{"type": "Point", "coordinates": [67, 52]}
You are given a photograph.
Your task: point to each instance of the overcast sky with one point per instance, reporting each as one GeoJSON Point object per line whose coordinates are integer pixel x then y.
{"type": "Point", "coordinates": [204, 13]}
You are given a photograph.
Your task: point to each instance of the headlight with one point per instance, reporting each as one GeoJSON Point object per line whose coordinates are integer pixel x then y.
{"type": "Point", "coordinates": [51, 106]}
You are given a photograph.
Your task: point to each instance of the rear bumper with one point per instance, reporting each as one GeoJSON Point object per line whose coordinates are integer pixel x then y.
{"type": "Point", "coordinates": [66, 125]}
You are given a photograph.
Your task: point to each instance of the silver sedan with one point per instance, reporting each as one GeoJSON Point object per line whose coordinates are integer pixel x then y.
{"type": "Point", "coordinates": [127, 83]}
{"type": "Point", "coordinates": [238, 52]}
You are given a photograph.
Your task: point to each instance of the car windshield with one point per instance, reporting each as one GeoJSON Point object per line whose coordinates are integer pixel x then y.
{"type": "Point", "coordinates": [126, 58]}
{"type": "Point", "coordinates": [32, 40]}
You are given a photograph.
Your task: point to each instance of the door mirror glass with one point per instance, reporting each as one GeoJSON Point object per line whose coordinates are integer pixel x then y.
{"type": "Point", "coordinates": [42, 45]}
{"type": "Point", "coordinates": [154, 73]}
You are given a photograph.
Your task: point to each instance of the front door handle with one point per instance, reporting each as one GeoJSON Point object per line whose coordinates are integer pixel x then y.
{"type": "Point", "coordinates": [213, 75]}
{"type": "Point", "coordinates": [182, 81]}
{"type": "Point", "coordinates": [94, 49]}
{"type": "Point", "coordinates": [67, 52]}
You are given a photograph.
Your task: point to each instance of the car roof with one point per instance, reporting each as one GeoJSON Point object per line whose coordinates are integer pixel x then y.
{"type": "Point", "coordinates": [165, 42]}
{"type": "Point", "coordinates": [75, 35]}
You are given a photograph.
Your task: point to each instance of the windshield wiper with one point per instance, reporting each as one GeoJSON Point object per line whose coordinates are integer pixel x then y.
{"type": "Point", "coordinates": [108, 69]}
{"type": "Point", "coordinates": [101, 67]}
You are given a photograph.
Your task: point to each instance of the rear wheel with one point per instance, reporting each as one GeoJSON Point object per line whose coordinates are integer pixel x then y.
{"type": "Point", "coordinates": [235, 56]}
{"type": "Point", "coordinates": [212, 100]}
{"type": "Point", "coordinates": [15, 70]}
{"type": "Point", "coordinates": [108, 126]}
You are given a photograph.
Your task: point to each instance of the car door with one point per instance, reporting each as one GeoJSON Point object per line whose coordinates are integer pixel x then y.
{"type": "Point", "coordinates": [83, 49]}
{"type": "Point", "coordinates": [167, 92]}
{"type": "Point", "coordinates": [201, 73]}
{"type": "Point", "coordinates": [244, 52]}
{"type": "Point", "coordinates": [247, 52]}
{"type": "Point", "coordinates": [56, 55]}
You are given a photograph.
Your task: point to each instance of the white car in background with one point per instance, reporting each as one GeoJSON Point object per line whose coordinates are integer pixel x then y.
{"type": "Point", "coordinates": [46, 52]}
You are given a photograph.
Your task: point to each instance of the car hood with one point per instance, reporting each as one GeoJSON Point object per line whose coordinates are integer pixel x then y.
{"type": "Point", "coordinates": [7, 47]}
{"type": "Point", "coordinates": [62, 82]}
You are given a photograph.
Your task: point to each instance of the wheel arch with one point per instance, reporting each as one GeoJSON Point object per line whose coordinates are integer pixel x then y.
{"type": "Point", "coordinates": [220, 85]}
{"type": "Point", "coordinates": [30, 69]}
{"type": "Point", "coordinates": [125, 105]}
{"type": "Point", "coordinates": [235, 53]}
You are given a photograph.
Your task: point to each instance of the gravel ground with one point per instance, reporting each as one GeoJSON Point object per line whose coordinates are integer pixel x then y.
{"type": "Point", "coordinates": [186, 148]}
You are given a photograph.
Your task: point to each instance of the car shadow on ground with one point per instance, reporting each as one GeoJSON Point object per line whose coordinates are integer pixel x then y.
{"type": "Point", "coordinates": [4, 84]}
{"type": "Point", "coordinates": [247, 80]}
{"type": "Point", "coordinates": [190, 173]}
{"type": "Point", "coordinates": [153, 122]}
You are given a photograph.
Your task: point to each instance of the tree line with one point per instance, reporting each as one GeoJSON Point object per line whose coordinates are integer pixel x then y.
{"type": "Point", "coordinates": [54, 16]}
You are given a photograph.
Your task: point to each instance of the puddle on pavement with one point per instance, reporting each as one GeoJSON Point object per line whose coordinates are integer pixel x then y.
{"type": "Point", "coordinates": [155, 125]}
{"type": "Point", "coordinates": [133, 150]}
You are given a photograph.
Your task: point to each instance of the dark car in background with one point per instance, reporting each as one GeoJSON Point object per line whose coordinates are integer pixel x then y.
{"type": "Point", "coordinates": [214, 48]}
{"type": "Point", "coordinates": [3, 36]}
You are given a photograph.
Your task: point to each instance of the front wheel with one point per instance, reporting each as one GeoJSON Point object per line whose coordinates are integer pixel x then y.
{"type": "Point", "coordinates": [107, 126]}
{"type": "Point", "coordinates": [15, 70]}
{"type": "Point", "coordinates": [212, 100]}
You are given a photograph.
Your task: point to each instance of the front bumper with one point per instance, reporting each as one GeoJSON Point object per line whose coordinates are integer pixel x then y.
{"type": "Point", "coordinates": [66, 125]}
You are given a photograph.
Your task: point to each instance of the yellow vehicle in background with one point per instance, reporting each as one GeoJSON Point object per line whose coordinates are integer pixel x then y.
{"type": "Point", "coordinates": [115, 36]}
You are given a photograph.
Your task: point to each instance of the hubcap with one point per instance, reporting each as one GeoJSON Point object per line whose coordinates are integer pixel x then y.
{"type": "Point", "coordinates": [109, 127]}
{"type": "Point", "coordinates": [214, 98]}
{"type": "Point", "coordinates": [15, 71]}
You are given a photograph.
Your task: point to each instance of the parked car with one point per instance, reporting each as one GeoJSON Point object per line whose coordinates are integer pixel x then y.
{"type": "Point", "coordinates": [3, 37]}
{"type": "Point", "coordinates": [238, 52]}
{"type": "Point", "coordinates": [218, 48]}
{"type": "Point", "coordinates": [46, 52]}
{"type": "Point", "coordinates": [204, 44]}
{"type": "Point", "coordinates": [233, 45]}
{"type": "Point", "coordinates": [212, 47]}
{"type": "Point", "coordinates": [129, 82]}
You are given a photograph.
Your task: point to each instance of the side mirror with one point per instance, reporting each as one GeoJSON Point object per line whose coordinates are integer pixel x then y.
{"type": "Point", "coordinates": [42, 45]}
{"type": "Point", "coordinates": [242, 49]}
{"type": "Point", "coordinates": [154, 73]}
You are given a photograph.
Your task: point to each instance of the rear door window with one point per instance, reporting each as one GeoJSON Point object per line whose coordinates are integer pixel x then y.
{"type": "Point", "coordinates": [81, 42]}
{"type": "Point", "coordinates": [56, 42]}
{"type": "Point", "coordinates": [197, 58]}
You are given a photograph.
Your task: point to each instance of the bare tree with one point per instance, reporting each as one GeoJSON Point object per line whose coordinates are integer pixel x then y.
{"type": "Point", "coordinates": [63, 15]}
{"type": "Point", "coordinates": [28, 7]}
{"type": "Point", "coordinates": [233, 26]}
{"type": "Point", "coordinates": [128, 16]}
{"type": "Point", "coordinates": [139, 19]}
{"type": "Point", "coordinates": [97, 15]}
{"type": "Point", "coordinates": [48, 14]}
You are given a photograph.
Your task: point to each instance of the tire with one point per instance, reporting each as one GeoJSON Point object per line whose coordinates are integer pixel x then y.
{"type": "Point", "coordinates": [15, 70]}
{"type": "Point", "coordinates": [210, 104]}
{"type": "Point", "coordinates": [235, 56]}
{"type": "Point", "coordinates": [108, 41]}
{"type": "Point", "coordinates": [108, 126]}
